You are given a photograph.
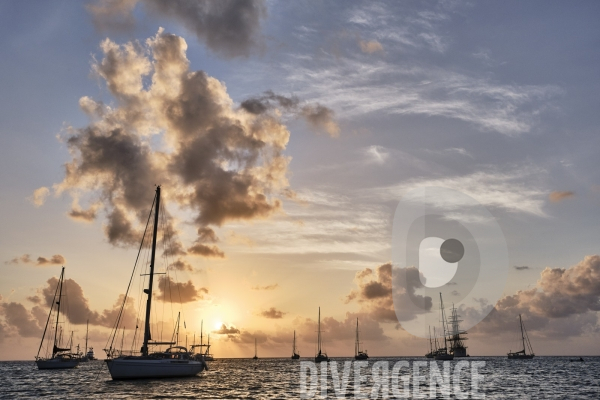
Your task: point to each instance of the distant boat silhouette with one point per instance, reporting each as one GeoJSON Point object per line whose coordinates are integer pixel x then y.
{"type": "Point", "coordinates": [358, 354]}
{"type": "Point", "coordinates": [431, 353]}
{"type": "Point", "coordinates": [61, 358]}
{"type": "Point", "coordinates": [320, 355]}
{"type": "Point", "coordinates": [522, 354]}
{"type": "Point", "coordinates": [295, 354]}
{"type": "Point", "coordinates": [442, 353]}
{"type": "Point", "coordinates": [255, 352]}
{"type": "Point", "coordinates": [457, 338]}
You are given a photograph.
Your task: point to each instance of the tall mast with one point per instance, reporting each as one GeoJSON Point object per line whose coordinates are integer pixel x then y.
{"type": "Point", "coordinates": [294, 346]}
{"type": "Point", "coordinates": [87, 328]}
{"type": "Point", "coordinates": [443, 320]}
{"type": "Point", "coordinates": [201, 325]}
{"type": "Point", "coordinates": [255, 353]}
{"type": "Point", "coordinates": [522, 334]}
{"type": "Point", "coordinates": [55, 347]}
{"type": "Point", "coordinates": [356, 346]}
{"type": "Point", "coordinates": [430, 346]}
{"type": "Point", "coordinates": [319, 332]}
{"type": "Point", "coordinates": [151, 280]}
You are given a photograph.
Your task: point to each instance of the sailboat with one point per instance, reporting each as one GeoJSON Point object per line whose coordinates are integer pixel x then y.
{"type": "Point", "coordinates": [358, 354]}
{"type": "Point", "coordinates": [295, 354]}
{"type": "Point", "coordinates": [204, 354]}
{"type": "Point", "coordinates": [431, 353]}
{"type": "Point", "coordinates": [175, 361]}
{"type": "Point", "coordinates": [61, 358]}
{"type": "Point", "coordinates": [457, 338]}
{"type": "Point", "coordinates": [89, 356]}
{"type": "Point", "coordinates": [255, 352]}
{"type": "Point", "coordinates": [522, 354]}
{"type": "Point", "coordinates": [320, 356]}
{"type": "Point", "coordinates": [442, 353]}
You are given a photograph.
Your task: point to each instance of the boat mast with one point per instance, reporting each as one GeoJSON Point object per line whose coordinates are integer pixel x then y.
{"type": "Point", "coordinates": [255, 352]}
{"type": "Point", "coordinates": [151, 280]}
{"type": "Point", "coordinates": [294, 346]}
{"type": "Point", "coordinates": [430, 346]}
{"type": "Point", "coordinates": [87, 328]}
{"type": "Point", "coordinates": [522, 334]}
{"type": "Point", "coordinates": [357, 345]}
{"type": "Point", "coordinates": [319, 332]}
{"type": "Point", "coordinates": [55, 347]}
{"type": "Point", "coordinates": [443, 321]}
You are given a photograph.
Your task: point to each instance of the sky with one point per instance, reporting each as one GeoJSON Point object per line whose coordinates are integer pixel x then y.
{"type": "Point", "coordinates": [284, 135]}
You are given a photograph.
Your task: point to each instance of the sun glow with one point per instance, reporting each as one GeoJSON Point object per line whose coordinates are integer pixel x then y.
{"type": "Point", "coordinates": [218, 324]}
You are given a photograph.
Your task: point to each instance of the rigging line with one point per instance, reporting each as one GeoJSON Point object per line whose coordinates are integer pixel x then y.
{"type": "Point", "coordinates": [116, 327]}
{"type": "Point", "coordinates": [48, 320]}
{"type": "Point", "coordinates": [167, 238]}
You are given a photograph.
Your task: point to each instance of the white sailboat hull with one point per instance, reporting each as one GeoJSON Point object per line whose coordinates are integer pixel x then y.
{"type": "Point", "coordinates": [139, 368]}
{"type": "Point", "coordinates": [57, 363]}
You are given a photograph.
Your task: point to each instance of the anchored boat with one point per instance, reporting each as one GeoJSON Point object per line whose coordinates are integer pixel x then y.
{"type": "Point", "coordinates": [320, 356]}
{"type": "Point", "coordinates": [358, 354]}
{"type": "Point", "coordinates": [522, 354]}
{"type": "Point", "coordinates": [175, 361]}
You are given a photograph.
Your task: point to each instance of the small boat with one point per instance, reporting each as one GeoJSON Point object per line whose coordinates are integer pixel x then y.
{"type": "Point", "coordinates": [358, 354]}
{"type": "Point", "coordinates": [204, 354]}
{"type": "Point", "coordinates": [442, 353]}
{"type": "Point", "coordinates": [575, 360]}
{"type": "Point", "coordinates": [431, 353]}
{"type": "Point", "coordinates": [175, 361]}
{"type": "Point", "coordinates": [89, 356]}
{"type": "Point", "coordinates": [61, 358]}
{"type": "Point", "coordinates": [522, 354]}
{"type": "Point", "coordinates": [295, 354]}
{"type": "Point", "coordinates": [320, 356]}
{"type": "Point", "coordinates": [255, 352]}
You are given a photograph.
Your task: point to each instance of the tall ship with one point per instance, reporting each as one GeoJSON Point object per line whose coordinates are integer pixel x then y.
{"type": "Point", "coordinates": [358, 353]}
{"type": "Point", "coordinates": [56, 357]}
{"type": "Point", "coordinates": [442, 352]}
{"type": "Point", "coordinates": [320, 356]}
{"type": "Point", "coordinates": [527, 352]}
{"type": "Point", "coordinates": [457, 337]}
{"type": "Point", "coordinates": [150, 361]}
{"type": "Point", "coordinates": [295, 354]}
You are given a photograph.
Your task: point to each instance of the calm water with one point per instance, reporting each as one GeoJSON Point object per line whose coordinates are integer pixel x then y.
{"type": "Point", "coordinates": [541, 378]}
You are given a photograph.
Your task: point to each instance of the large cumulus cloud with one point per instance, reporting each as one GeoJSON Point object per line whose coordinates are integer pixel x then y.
{"type": "Point", "coordinates": [179, 128]}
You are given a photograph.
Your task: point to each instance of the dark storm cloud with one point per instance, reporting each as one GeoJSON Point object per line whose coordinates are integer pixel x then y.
{"type": "Point", "coordinates": [230, 28]}
{"type": "Point", "coordinates": [169, 290]}
{"type": "Point", "coordinates": [217, 161]}
{"type": "Point", "coordinates": [318, 117]}
{"type": "Point", "coordinates": [374, 293]}
{"type": "Point", "coordinates": [272, 313]}
{"type": "Point", "coordinates": [56, 259]}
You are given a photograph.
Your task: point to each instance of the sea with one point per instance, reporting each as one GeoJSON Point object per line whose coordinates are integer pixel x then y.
{"type": "Point", "coordinates": [278, 378]}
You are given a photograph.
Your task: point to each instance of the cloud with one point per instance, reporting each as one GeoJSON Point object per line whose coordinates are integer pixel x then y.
{"type": "Point", "coordinates": [181, 265]}
{"type": "Point", "coordinates": [521, 267]}
{"type": "Point", "coordinates": [225, 330]}
{"type": "Point", "coordinates": [370, 46]}
{"type": "Point", "coordinates": [377, 154]}
{"type": "Point", "coordinates": [272, 313]}
{"type": "Point", "coordinates": [513, 191]}
{"type": "Point", "coordinates": [39, 196]}
{"type": "Point", "coordinates": [230, 28]}
{"type": "Point", "coordinates": [172, 125]}
{"type": "Point", "coordinates": [318, 117]}
{"type": "Point", "coordinates": [56, 259]}
{"type": "Point", "coordinates": [169, 290]}
{"type": "Point", "coordinates": [18, 317]}
{"type": "Point", "coordinates": [374, 293]}
{"type": "Point", "coordinates": [564, 302]}
{"type": "Point", "coordinates": [267, 287]}
{"type": "Point", "coordinates": [557, 196]}
{"type": "Point", "coordinates": [78, 310]}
